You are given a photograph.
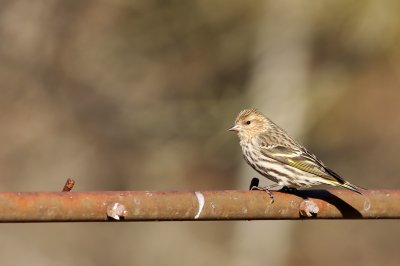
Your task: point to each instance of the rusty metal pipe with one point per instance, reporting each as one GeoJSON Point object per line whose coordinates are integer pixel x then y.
{"type": "Point", "coordinates": [197, 206]}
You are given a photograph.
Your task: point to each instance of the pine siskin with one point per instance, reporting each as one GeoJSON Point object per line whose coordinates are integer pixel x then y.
{"type": "Point", "coordinates": [275, 155]}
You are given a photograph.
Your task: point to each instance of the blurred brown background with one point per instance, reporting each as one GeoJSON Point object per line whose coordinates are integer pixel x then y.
{"type": "Point", "coordinates": [137, 95]}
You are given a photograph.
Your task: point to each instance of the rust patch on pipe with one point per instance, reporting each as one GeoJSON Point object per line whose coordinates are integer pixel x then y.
{"type": "Point", "coordinates": [184, 206]}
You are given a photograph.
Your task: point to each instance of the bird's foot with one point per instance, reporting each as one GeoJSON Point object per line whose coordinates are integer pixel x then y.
{"type": "Point", "coordinates": [266, 189]}
{"type": "Point", "coordinates": [254, 182]}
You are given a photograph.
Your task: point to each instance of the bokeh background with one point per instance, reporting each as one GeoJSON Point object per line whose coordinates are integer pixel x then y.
{"type": "Point", "coordinates": [137, 95]}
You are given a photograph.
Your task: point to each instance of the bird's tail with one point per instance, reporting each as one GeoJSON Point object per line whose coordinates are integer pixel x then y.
{"type": "Point", "coordinates": [351, 187]}
{"type": "Point", "coordinates": [344, 183]}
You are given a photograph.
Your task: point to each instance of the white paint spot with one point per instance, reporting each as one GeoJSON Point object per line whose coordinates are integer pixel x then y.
{"type": "Point", "coordinates": [116, 211]}
{"type": "Point", "coordinates": [367, 205]}
{"type": "Point", "coordinates": [200, 200]}
{"type": "Point", "coordinates": [308, 208]}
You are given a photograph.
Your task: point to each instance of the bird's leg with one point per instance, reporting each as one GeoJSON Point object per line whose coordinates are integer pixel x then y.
{"type": "Point", "coordinates": [266, 189]}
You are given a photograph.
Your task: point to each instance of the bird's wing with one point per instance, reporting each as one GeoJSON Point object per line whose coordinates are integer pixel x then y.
{"type": "Point", "coordinates": [300, 159]}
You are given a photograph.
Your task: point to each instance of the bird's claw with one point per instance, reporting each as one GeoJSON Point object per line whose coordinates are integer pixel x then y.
{"type": "Point", "coordinates": [266, 189]}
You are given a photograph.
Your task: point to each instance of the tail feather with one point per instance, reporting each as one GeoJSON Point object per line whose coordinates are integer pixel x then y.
{"type": "Point", "coordinates": [351, 187]}
{"type": "Point", "coordinates": [343, 183]}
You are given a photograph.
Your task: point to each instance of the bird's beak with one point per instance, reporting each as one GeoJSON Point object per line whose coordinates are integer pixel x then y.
{"type": "Point", "coordinates": [234, 128]}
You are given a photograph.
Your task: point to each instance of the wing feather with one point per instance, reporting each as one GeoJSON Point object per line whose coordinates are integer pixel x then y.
{"type": "Point", "coordinates": [300, 159]}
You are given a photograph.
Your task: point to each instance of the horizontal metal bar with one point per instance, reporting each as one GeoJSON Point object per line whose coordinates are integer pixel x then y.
{"type": "Point", "coordinates": [192, 206]}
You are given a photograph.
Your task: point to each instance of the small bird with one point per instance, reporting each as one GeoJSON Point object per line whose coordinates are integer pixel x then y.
{"type": "Point", "coordinates": [274, 154]}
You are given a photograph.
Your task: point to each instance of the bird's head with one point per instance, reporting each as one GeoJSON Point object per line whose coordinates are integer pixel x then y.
{"type": "Point", "coordinates": [249, 123]}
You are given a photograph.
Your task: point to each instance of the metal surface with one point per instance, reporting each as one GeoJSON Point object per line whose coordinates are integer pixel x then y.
{"type": "Point", "coordinates": [200, 205]}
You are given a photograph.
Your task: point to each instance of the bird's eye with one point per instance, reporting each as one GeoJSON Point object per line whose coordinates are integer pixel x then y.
{"type": "Point", "coordinates": [248, 122]}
